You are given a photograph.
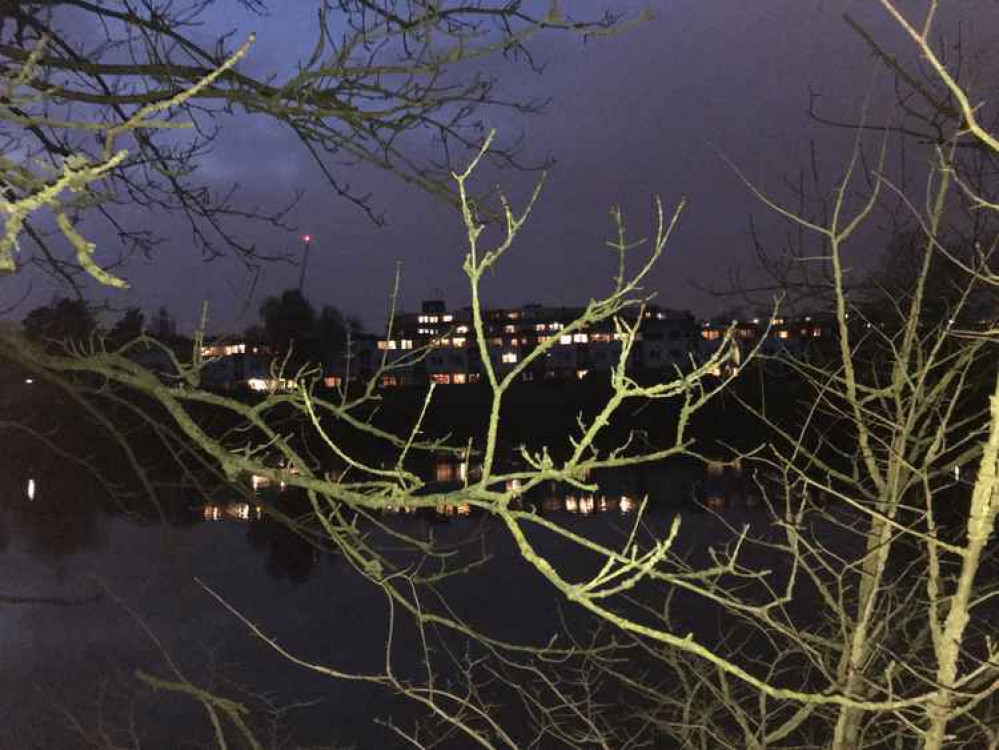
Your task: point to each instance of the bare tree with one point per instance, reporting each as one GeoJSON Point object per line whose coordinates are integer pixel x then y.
{"type": "Point", "coordinates": [81, 78]}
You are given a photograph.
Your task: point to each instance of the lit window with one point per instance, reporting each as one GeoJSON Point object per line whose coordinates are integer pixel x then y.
{"type": "Point", "coordinates": [498, 341]}
{"type": "Point", "coordinates": [447, 318]}
{"type": "Point", "coordinates": [539, 326]}
{"type": "Point", "coordinates": [580, 338]}
{"type": "Point", "coordinates": [513, 342]}
{"type": "Point", "coordinates": [580, 374]}
{"type": "Point", "coordinates": [462, 329]}
{"type": "Point", "coordinates": [391, 344]}
{"type": "Point", "coordinates": [509, 358]}
{"type": "Point", "coordinates": [782, 334]}
{"type": "Point", "coordinates": [600, 337]}
{"type": "Point", "coordinates": [459, 378]}
{"type": "Point", "coordinates": [407, 344]}
{"type": "Point", "coordinates": [567, 339]}
{"type": "Point", "coordinates": [554, 326]}
{"type": "Point", "coordinates": [510, 329]}
{"type": "Point", "coordinates": [543, 339]}
{"type": "Point", "coordinates": [816, 332]}
{"type": "Point", "coordinates": [458, 341]}
{"type": "Point", "coordinates": [422, 319]}
{"type": "Point", "coordinates": [389, 380]}
{"type": "Point", "coordinates": [441, 378]}
{"type": "Point", "coordinates": [513, 314]}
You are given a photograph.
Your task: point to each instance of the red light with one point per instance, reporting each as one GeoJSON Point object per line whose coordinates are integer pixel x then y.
{"type": "Point", "coordinates": [307, 237]}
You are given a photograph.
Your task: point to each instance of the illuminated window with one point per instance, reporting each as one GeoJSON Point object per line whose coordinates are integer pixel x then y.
{"type": "Point", "coordinates": [389, 380]}
{"type": "Point", "coordinates": [554, 326]}
{"type": "Point", "coordinates": [458, 341]}
{"type": "Point", "coordinates": [447, 318]}
{"type": "Point", "coordinates": [510, 329]}
{"type": "Point", "coordinates": [509, 358]}
{"type": "Point", "coordinates": [604, 337]}
{"type": "Point", "coordinates": [543, 339]}
{"type": "Point", "coordinates": [514, 342]}
{"type": "Point", "coordinates": [783, 334]}
{"type": "Point", "coordinates": [816, 332]}
{"type": "Point", "coordinates": [391, 344]}
{"type": "Point", "coordinates": [580, 338]}
{"type": "Point", "coordinates": [423, 319]}
{"type": "Point", "coordinates": [407, 344]}
{"type": "Point", "coordinates": [462, 329]}
{"type": "Point", "coordinates": [441, 378]}
{"type": "Point", "coordinates": [497, 341]}
{"type": "Point", "coordinates": [580, 374]}
{"type": "Point", "coordinates": [333, 381]}
{"type": "Point", "coordinates": [459, 378]}
{"type": "Point", "coordinates": [270, 384]}
{"type": "Point", "coordinates": [567, 339]}
{"type": "Point", "coordinates": [513, 314]}
{"type": "Point", "coordinates": [539, 326]}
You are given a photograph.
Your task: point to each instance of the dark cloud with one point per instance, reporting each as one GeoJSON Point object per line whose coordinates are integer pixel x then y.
{"type": "Point", "coordinates": [650, 111]}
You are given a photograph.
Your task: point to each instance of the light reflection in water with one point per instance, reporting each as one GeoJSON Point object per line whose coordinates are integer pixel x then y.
{"type": "Point", "coordinates": [31, 489]}
{"type": "Point", "coordinates": [233, 511]}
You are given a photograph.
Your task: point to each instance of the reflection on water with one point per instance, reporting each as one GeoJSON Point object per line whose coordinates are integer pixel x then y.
{"type": "Point", "coordinates": [234, 511]}
{"type": "Point", "coordinates": [716, 487]}
{"type": "Point", "coordinates": [260, 548]}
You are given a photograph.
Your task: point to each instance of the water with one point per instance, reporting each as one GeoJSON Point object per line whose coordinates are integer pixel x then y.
{"type": "Point", "coordinates": [94, 595]}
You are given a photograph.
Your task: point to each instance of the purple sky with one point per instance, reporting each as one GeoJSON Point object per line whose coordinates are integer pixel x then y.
{"type": "Point", "coordinates": [645, 112]}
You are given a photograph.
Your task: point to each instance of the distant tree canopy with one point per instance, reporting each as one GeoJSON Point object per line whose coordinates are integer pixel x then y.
{"type": "Point", "coordinates": [64, 321]}
{"type": "Point", "coordinates": [289, 323]}
{"type": "Point", "coordinates": [129, 326]}
{"type": "Point", "coordinates": [949, 298]}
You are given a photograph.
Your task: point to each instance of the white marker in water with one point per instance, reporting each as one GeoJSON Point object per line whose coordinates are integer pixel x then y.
{"type": "Point", "coordinates": [31, 489]}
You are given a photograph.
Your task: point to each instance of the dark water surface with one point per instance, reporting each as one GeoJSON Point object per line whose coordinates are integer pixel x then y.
{"type": "Point", "coordinates": [92, 596]}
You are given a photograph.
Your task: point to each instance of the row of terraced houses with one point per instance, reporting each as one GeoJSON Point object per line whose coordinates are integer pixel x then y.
{"type": "Point", "coordinates": [438, 345]}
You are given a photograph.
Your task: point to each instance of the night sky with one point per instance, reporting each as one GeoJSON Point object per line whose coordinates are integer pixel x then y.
{"type": "Point", "coordinates": [648, 111]}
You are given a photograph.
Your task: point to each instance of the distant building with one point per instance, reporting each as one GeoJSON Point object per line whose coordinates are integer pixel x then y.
{"type": "Point", "coordinates": [776, 339]}
{"type": "Point", "coordinates": [438, 345]}
{"type": "Point", "coordinates": [240, 365]}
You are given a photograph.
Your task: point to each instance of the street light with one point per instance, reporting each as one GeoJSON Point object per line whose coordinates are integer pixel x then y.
{"type": "Point", "coordinates": [307, 241]}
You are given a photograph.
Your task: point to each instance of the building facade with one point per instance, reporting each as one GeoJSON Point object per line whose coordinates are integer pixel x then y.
{"type": "Point", "coordinates": [438, 345]}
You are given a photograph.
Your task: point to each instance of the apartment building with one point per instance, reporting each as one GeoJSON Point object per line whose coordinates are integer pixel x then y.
{"type": "Point", "coordinates": [437, 344]}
